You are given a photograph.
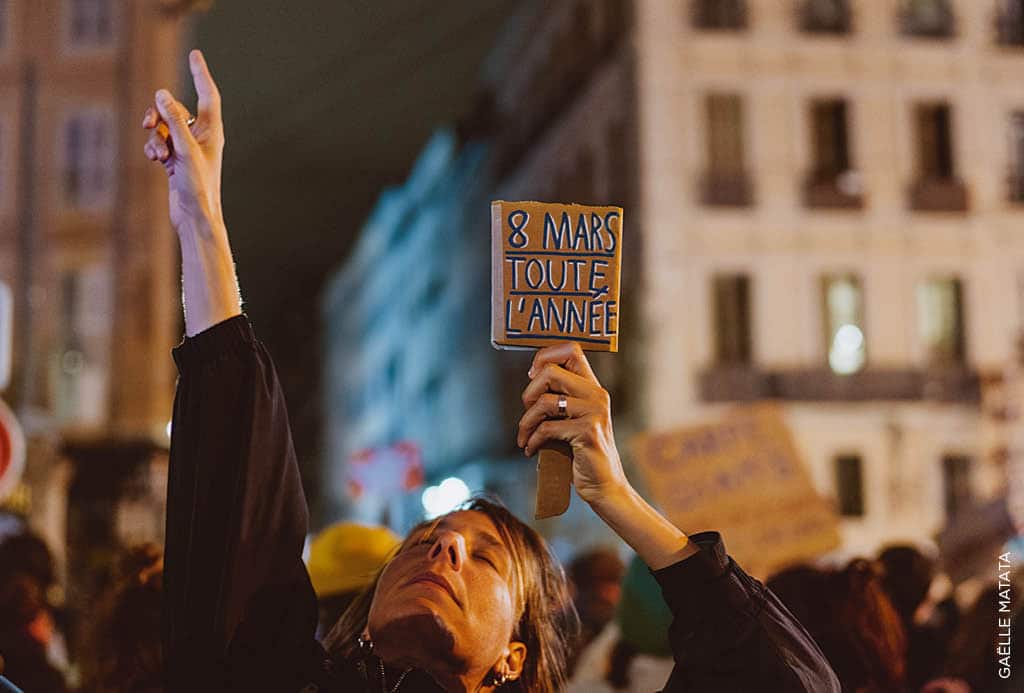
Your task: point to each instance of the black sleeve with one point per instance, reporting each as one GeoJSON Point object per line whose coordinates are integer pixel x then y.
{"type": "Point", "coordinates": [730, 633]}
{"type": "Point", "coordinates": [238, 603]}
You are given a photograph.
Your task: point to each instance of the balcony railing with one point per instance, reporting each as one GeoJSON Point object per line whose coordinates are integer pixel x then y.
{"type": "Point", "coordinates": [726, 190]}
{"type": "Point", "coordinates": [734, 384]}
{"type": "Point", "coordinates": [840, 191]}
{"type": "Point", "coordinates": [939, 195]}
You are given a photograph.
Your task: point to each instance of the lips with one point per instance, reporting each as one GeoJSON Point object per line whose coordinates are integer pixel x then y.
{"type": "Point", "coordinates": [440, 581]}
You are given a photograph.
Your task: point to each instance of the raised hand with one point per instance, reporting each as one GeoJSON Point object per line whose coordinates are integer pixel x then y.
{"type": "Point", "coordinates": [192, 155]}
{"type": "Point", "coordinates": [563, 370]}
{"type": "Point", "coordinates": [191, 152]}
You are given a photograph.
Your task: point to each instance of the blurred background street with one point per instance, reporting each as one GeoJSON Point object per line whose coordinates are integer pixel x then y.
{"type": "Point", "coordinates": [824, 209]}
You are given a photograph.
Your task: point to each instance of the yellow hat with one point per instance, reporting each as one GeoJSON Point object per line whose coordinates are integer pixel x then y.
{"type": "Point", "coordinates": [346, 556]}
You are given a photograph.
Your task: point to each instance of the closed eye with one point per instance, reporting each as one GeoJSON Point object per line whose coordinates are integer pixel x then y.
{"type": "Point", "coordinates": [487, 559]}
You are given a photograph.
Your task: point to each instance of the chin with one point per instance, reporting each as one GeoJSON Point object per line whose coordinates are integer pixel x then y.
{"type": "Point", "coordinates": [420, 638]}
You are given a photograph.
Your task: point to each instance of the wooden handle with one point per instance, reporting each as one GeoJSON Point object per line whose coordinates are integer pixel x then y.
{"type": "Point", "coordinates": [554, 478]}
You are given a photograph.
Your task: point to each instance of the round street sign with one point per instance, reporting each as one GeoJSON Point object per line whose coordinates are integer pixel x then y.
{"type": "Point", "coordinates": [12, 451]}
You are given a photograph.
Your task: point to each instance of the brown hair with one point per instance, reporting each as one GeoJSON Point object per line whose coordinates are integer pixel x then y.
{"type": "Point", "coordinates": [852, 619]}
{"type": "Point", "coordinates": [547, 621]}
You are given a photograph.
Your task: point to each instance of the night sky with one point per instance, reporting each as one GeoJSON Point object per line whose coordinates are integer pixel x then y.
{"type": "Point", "coordinates": [326, 103]}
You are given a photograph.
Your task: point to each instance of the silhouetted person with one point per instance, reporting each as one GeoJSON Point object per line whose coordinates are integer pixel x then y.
{"type": "Point", "coordinates": [907, 577]}
{"type": "Point", "coordinates": [850, 616]}
{"type": "Point", "coordinates": [124, 652]}
{"type": "Point", "coordinates": [595, 577]}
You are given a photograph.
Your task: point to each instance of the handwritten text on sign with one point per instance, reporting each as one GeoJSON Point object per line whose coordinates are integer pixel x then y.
{"type": "Point", "coordinates": [555, 274]}
{"type": "Point", "coordinates": [741, 475]}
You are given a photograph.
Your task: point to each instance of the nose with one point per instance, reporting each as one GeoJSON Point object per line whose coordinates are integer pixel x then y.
{"type": "Point", "coordinates": [449, 547]}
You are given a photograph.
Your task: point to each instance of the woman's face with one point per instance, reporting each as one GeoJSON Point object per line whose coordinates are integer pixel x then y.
{"type": "Point", "coordinates": [447, 598]}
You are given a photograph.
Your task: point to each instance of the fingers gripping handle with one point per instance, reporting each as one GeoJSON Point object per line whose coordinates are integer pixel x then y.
{"type": "Point", "coordinates": [554, 479]}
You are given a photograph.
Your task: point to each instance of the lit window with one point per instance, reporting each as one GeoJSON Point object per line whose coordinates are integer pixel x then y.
{"type": "Point", "coordinates": [844, 332]}
{"type": "Point", "coordinates": [90, 23]}
{"type": "Point", "coordinates": [88, 160]}
{"type": "Point", "coordinates": [941, 321]}
{"type": "Point", "coordinates": [82, 362]}
{"type": "Point", "coordinates": [850, 485]}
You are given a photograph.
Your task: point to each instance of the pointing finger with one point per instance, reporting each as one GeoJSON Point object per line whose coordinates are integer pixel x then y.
{"type": "Point", "coordinates": [150, 119]}
{"type": "Point", "coordinates": [206, 88]}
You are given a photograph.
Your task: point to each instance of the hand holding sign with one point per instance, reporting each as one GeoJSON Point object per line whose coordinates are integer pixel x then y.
{"type": "Point", "coordinates": [555, 279]}
{"type": "Point", "coordinates": [587, 426]}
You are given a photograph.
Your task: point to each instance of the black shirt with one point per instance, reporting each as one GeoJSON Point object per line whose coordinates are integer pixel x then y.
{"type": "Point", "coordinates": [240, 613]}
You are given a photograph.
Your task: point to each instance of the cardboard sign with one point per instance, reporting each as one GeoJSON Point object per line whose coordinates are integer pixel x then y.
{"type": "Point", "coordinates": [555, 275]}
{"type": "Point", "coordinates": [743, 477]}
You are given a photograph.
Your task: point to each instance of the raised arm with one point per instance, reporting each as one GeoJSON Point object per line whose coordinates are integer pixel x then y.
{"type": "Point", "coordinates": [192, 156]}
{"type": "Point", "coordinates": [239, 610]}
{"type": "Point", "coordinates": [728, 631]}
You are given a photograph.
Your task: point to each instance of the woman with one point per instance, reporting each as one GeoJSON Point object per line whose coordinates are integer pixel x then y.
{"type": "Point", "coordinates": [473, 602]}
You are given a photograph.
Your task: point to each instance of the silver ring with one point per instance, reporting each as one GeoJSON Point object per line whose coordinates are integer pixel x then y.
{"type": "Point", "coordinates": [563, 407]}
{"type": "Point", "coordinates": [191, 121]}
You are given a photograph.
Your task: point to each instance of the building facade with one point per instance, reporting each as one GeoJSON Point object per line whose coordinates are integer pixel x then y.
{"type": "Point", "coordinates": [821, 208]}
{"type": "Point", "coordinates": [90, 259]}
{"type": "Point", "coordinates": [407, 353]}
{"type": "Point", "coordinates": [830, 199]}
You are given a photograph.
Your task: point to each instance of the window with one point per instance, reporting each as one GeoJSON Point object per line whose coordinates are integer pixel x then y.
{"type": "Point", "coordinates": [4, 21]}
{"type": "Point", "coordinates": [1010, 23]}
{"type": "Point", "coordinates": [825, 16]}
{"type": "Point", "coordinates": [940, 320]}
{"type": "Point", "coordinates": [830, 141]}
{"type": "Point", "coordinates": [850, 485]}
{"type": "Point", "coordinates": [90, 23]}
{"type": "Point", "coordinates": [832, 181]}
{"type": "Point", "coordinates": [730, 15]}
{"type": "Point", "coordinates": [83, 355]}
{"type": "Point", "coordinates": [1016, 177]}
{"type": "Point", "coordinates": [732, 319]}
{"type": "Point", "coordinates": [956, 470]}
{"type": "Point", "coordinates": [4, 191]}
{"type": "Point", "coordinates": [937, 187]}
{"type": "Point", "coordinates": [926, 18]}
{"type": "Point", "coordinates": [725, 181]}
{"type": "Point", "coordinates": [88, 160]}
{"type": "Point", "coordinates": [934, 141]}
{"type": "Point", "coordinates": [844, 332]}
{"type": "Point", "coordinates": [431, 295]}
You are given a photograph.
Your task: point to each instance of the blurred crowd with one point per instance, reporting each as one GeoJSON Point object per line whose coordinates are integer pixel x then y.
{"type": "Point", "coordinates": [888, 624]}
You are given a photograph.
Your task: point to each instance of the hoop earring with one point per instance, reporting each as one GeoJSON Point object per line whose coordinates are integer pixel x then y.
{"type": "Point", "coordinates": [365, 646]}
{"type": "Point", "coordinates": [497, 680]}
